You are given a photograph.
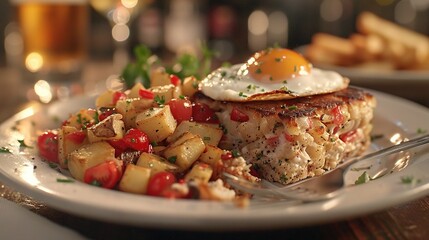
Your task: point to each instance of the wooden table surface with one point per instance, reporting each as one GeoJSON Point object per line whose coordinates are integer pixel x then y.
{"type": "Point", "coordinates": [406, 221]}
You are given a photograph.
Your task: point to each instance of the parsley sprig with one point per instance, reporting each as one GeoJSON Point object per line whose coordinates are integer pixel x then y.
{"type": "Point", "coordinates": [5, 150]}
{"type": "Point", "coordinates": [184, 66]}
{"type": "Point", "coordinates": [23, 144]}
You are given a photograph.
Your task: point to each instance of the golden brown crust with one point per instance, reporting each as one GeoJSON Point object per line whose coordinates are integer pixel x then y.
{"type": "Point", "coordinates": [298, 107]}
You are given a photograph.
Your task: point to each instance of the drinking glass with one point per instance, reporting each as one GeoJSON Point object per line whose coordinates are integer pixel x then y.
{"type": "Point", "coordinates": [120, 14]}
{"type": "Point", "coordinates": [54, 42]}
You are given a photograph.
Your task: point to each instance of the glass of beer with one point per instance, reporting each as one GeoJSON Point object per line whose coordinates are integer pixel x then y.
{"type": "Point", "coordinates": [54, 34]}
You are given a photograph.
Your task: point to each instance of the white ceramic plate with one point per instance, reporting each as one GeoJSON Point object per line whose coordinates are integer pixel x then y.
{"type": "Point", "coordinates": [25, 172]}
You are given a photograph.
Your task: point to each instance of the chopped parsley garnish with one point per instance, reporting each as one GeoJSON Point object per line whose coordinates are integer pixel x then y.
{"type": "Point", "coordinates": [52, 165]}
{"type": "Point", "coordinates": [421, 130]}
{"type": "Point", "coordinates": [82, 121]}
{"type": "Point", "coordinates": [159, 100]}
{"type": "Point", "coordinates": [96, 183]}
{"type": "Point", "coordinates": [293, 107]}
{"type": "Point", "coordinates": [284, 88]}
{"type": "Point", "coordinates": [295, 68]}
{"type": "Point", "coordinates": [364, 178]}
{"type": "Point", "coordinates": [256, 167]}
{"type": "Point", "coordinates": [223, 74]}
{"type": "Point", "coordinates": [226, 64]}
{"type": "Point", "coordinates": [172, 159]}
{"type": "Point", "coordinates": [285, 82]}
{"type": "Point", "coordinates": [56, 119]}
{"type": "Point", "coordinates": [375, 137]}
{"type": "Point", "coordinates": [277, 59]}
{"type": "Point", "coordinates": [154, 144]}
{"type": "Point", "coordinates": [5, 150]}
{"type": "Point", "coordinates": [235, 153]}
{"type": "Point", "coordinates": [258, 71]}
{"type": "Point", "coordinates": [23, 144]}
{"type": "Point", "coordinates": [283, 178]}
{"type": "Point", "coordinates": [182, 97]}
{"type": "Point", "coordinates": [224, 130]}
{"type": "Point", "coordinates": [409, 180]}
{"type": "Point", "coordinates": [241, 94]}
{"type": "Point", "coordinates": [195, 85]}
{"type": "Point", "coordinates": [96, 117]}
{"type": "Point", "coordinates": [251, 87]}
{"type": "Point", "coordinates": [65, 180]}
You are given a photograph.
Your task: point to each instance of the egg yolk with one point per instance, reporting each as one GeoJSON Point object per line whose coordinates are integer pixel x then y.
{"type": "Point", "coordinates": [277, 65]}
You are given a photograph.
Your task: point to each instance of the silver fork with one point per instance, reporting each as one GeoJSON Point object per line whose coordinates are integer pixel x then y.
{"type": "Point", "coordinates": [318, 188]}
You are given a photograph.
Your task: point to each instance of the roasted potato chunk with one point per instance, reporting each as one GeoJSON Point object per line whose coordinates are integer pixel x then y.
{"type": "Point", "coordinates": [211, 155]}
{"type": "Point", "coordinates": [155, 163]}
{"type": "Point", "coordinates": [157, 123]}
{"type": "Point", "coordinates": [110, 128]}
{"type": "Point", "coordinates": [159, 77]}
{"type": "Point", "coordinates": [185, 151]}
{"type": "Point", "coordinates": [166, 93]}
{"type": "Point", "coordinates": [200, 172]}
{"type": "Point", "coordinates": [88, 156]}
{"type": "Point", "coordinates": [135, 179]}
{"type": "Point", "coordinates": [130, 108]}
{"type": "Point", "coordinates": [134, 91]}
{"type": "Point", "coordinates": [67, 143]}
{"type": "Point", "coordinates": [82, 119]}
{"type": "Point", "coordinates": [210, 134]}
{"type": "Point", "coordinates": [105, 99]}
{"type": "Point", "coordinates": [189, 86]}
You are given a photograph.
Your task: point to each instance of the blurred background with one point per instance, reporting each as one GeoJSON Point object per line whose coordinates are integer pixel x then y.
{"type": "Point", "coordinates": [233, 28]}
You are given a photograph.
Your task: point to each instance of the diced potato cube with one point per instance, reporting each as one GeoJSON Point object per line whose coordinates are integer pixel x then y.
{"type": "Point", "coordinates": [67, 144]}
{"type": "Point", "coordinates": [211, 155]}
{"type": "Point", "coordinates": [185, 151]}
{"type": "Point", "coordinates": [82, 119]}
{"type": "Point", "coordinates": [200, 172]}
{"type": "Point", "coordinates": [134, 91]}
{"type": "Point", "coordinates": [135, 179]}
{"type": "Point", "coordinates": [159, 77]}
{"type": "Point", "coordinates": [110, 128]}
{"type": "Point", "coordinates": [163, 94]}
{"type": "Point", "coordinates": [189, 86]}
{"type": "Point", "coordinates": [88, 156]}
{"type": "Point", "coordinates": [130, 108]}
{"type": "Point", "coordinates": [155, 163]}
{"type": "Point", "coordinates": [182, 138]}
{"type": "Point", "coordinates": [157, 123]}
{"type": "Point", "coordinates": [210, 134]}
{"type": "Point", "coordinates": [158, 149]}
{"type": "Point", "coordinates": [105, 99]}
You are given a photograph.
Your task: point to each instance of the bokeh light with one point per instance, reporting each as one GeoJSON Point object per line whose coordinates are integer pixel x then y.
{"type": "Point", "coordinates": [120, 32]}
{"type": "Point", "coordinates": [258, 22]}
{"type": "Point", "coordinates": [43, 91]}
{"type": "Point", "coordinates": [34, 62]}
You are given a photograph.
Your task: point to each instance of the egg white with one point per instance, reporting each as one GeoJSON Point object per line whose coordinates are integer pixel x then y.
{"type": "Point", "coordinates": [236, 84]}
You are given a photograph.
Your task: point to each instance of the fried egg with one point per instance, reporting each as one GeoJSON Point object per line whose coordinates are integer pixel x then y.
{"type": "Point", "coordinates": [272, 74]}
